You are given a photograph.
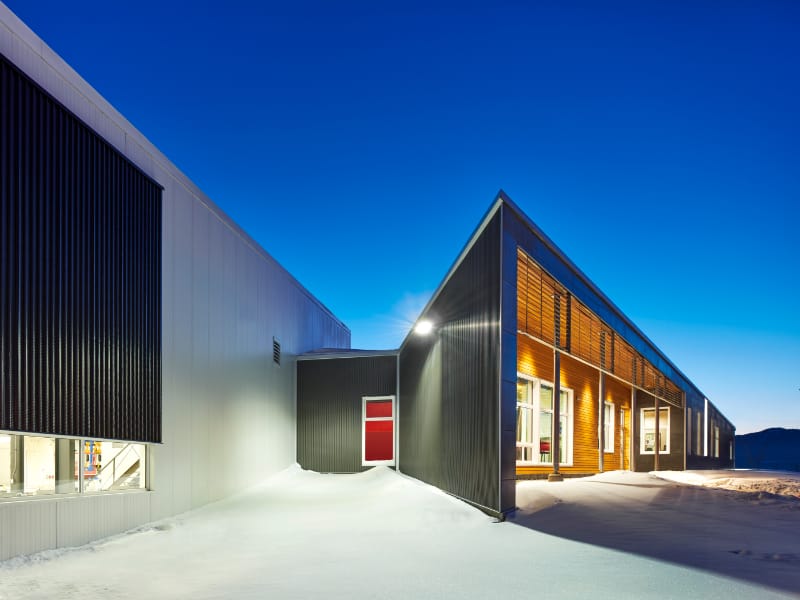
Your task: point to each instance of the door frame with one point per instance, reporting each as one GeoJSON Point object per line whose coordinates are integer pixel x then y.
{"type": "Point", "coordinates": [375, 463]}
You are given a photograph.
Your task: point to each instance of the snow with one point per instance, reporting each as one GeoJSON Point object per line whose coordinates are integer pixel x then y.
{"type": "Point", "coordinates": [777, 483]}
{"type": "Point", "coordinates": [380, 534]}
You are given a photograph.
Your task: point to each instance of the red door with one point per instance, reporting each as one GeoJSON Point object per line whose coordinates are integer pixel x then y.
{"type": "Point", "coordinates": [378, 440]}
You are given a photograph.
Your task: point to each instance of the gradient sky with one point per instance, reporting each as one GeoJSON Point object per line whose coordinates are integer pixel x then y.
{"type": "Point", "coordinates": [658, 144]}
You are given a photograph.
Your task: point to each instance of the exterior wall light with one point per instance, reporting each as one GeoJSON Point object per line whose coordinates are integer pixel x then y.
{"type": "Point", "coordinates": [424, 327]}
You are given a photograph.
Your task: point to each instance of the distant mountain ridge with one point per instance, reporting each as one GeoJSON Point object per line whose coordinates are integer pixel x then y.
{"type": "Point", "coordinates": [775, 448]}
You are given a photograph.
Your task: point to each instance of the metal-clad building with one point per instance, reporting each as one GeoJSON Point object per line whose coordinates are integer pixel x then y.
{"type": "Point", "coordinates": [475, 404]}
{"type": "Point", "coordinates": [154, 358]}
{"type": "Point", "coordinates": [148, 343]}
{"type": "Point", "coordinates": [334, 390]}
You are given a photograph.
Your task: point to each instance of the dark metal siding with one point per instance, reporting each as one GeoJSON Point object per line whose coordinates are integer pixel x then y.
{"type": "Point", "coordinates": [449, 382]}
{"type": "Point", "coordinates": [727, 435]}
{"type": "Point", "coordinates": [329, 393]}
{"type": "Point", "coordinates": [672, 461]}
{"type": "Point", "coordinates": [80, 276]}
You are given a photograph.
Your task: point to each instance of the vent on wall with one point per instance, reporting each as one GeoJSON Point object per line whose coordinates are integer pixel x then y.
{"type": "Point", "coordinates": [276, 351]}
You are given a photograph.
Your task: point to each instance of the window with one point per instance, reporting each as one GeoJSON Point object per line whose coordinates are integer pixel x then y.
{"type": "Point", "coordinates": [608, 427]}
{"type": "Point", "coordinates": [689, 445]}
{"type": "Point", "coordinates": [699, 433]}
{"type": "Point", "coordinates": [535, 423]}
{"type": "Point", "coordinates": [36, 466]}
{"type": "Point", "coordinates": [377, 439]}
{"type": "Point", "coordinates": [113, 466]}
{"type": "Point", "coordinates": [648, 436]}
{"type": "Point", "coordinates": [715, 429]}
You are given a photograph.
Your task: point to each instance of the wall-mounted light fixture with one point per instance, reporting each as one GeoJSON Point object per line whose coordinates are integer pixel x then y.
{"type": "Point", "coordinates": [424, 327]}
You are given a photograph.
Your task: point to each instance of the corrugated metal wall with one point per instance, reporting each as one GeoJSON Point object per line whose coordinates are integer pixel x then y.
{"type": "Point", "coordinates": [329, 393]}
{"type": "Point", "coordinates": [28, 527]}
{"type": "Point", "coordinates": [449, 382]}
{"type": "Point", "coordinates": [80, 276]}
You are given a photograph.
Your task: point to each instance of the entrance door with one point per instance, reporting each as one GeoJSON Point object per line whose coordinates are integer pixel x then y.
{"type": "Point", "coordinates": [377, 437]}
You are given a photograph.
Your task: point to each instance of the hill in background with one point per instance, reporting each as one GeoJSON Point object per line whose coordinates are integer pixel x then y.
{"type": "Point", "coordinates": [774, 448]}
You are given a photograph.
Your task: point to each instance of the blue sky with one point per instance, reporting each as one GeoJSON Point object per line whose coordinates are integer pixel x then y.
{"type": "Point", "coordinates": [360, 143]}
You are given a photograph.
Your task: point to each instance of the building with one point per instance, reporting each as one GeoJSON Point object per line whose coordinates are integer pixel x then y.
{"type": "Point", "coordinates": [473, 396]}
{"type": "Point", "coordinates": [154, 358]}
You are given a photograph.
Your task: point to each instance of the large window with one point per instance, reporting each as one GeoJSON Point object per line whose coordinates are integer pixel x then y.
{"type": "Point", "coordinates": [113, 466]}
{"type": "Point", "coordinates": [535, 423]}
{"type": "Point", "coordinates": [648, 433]}
{"type": "Point", "coordinates": [36, 466]}
{"type": "Point", "coordinates": [608, 427]}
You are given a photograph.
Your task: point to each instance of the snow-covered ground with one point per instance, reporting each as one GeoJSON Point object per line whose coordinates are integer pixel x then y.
{"type": "Point", "coordinates": [764, 483]}
{"type": "Point", "coordinates": [752, 537]}
{"type": "Point", "coordinates": [383, 535]}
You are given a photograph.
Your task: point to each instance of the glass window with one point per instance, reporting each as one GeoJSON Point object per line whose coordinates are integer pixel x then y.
{"type": "Point", "coordinates": [648, 431]}
{"type": "Point", "coordinates": [535, 422]}
{"type": "Point", "coordinates": [716, 440]}
{"type": "Point", "coordinates": [525, 408]}
{"type": "Point", "coordinates": [608, 427]}
{"type": "Point", "coordinates": [113, 466]}
{"type": "Point", "coordinates": [699, 433]}
{"type": "Point", "coordinates": [31, 465]}
{"type": "Point", "coordinates": [11, 465]}
{"type": "Point", "coordinates": [689, 445]}
{"type": "Point", "coordinates": [39, 473]}
{"type": "Point", "coordinates": [67, 461]}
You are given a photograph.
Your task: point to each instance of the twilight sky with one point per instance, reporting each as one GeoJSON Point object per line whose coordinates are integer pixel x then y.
{"type": "Point", "coordinates": [658, 144]}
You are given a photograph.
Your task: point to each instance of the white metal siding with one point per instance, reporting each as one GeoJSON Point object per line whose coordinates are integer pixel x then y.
{"type": "Point", "coordinates": [228, 412]}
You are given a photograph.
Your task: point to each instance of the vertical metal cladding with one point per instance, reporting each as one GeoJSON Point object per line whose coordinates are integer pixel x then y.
{"type": "Point", "coordinates": [449, 381]}
{"type": "Point", "coordinates": [329, 395]}
{"type": "Point", "coordinates": [80, 276]}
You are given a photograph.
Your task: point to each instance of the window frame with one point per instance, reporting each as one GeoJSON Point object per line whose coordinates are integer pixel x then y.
{"type": "Point", "coordinates": [715, 433]}
{"type": "Point", "coordinates": [365, 420]}
{"type": "Point", "coordinates": [642, 429]}
{"type": "Point", "coordinates": [608, 408]}
{"type": "Point", "coordinates": [534, 385]}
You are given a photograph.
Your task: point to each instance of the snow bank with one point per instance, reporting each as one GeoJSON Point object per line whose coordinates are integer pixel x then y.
{"type": "Point", "coordinates": [785, 484]}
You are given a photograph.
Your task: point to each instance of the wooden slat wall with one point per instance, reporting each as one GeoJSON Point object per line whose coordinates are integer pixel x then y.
{"type": "Point", "coordinates": [582, 333]}
{"type": "Point", "coordinates": [539, 297]}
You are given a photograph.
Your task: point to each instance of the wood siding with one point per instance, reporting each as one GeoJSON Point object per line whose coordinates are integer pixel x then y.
{"type": "Point", "coordinates": [536, 360]}
{"type": "Point", "coordinates": [547, 311]}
